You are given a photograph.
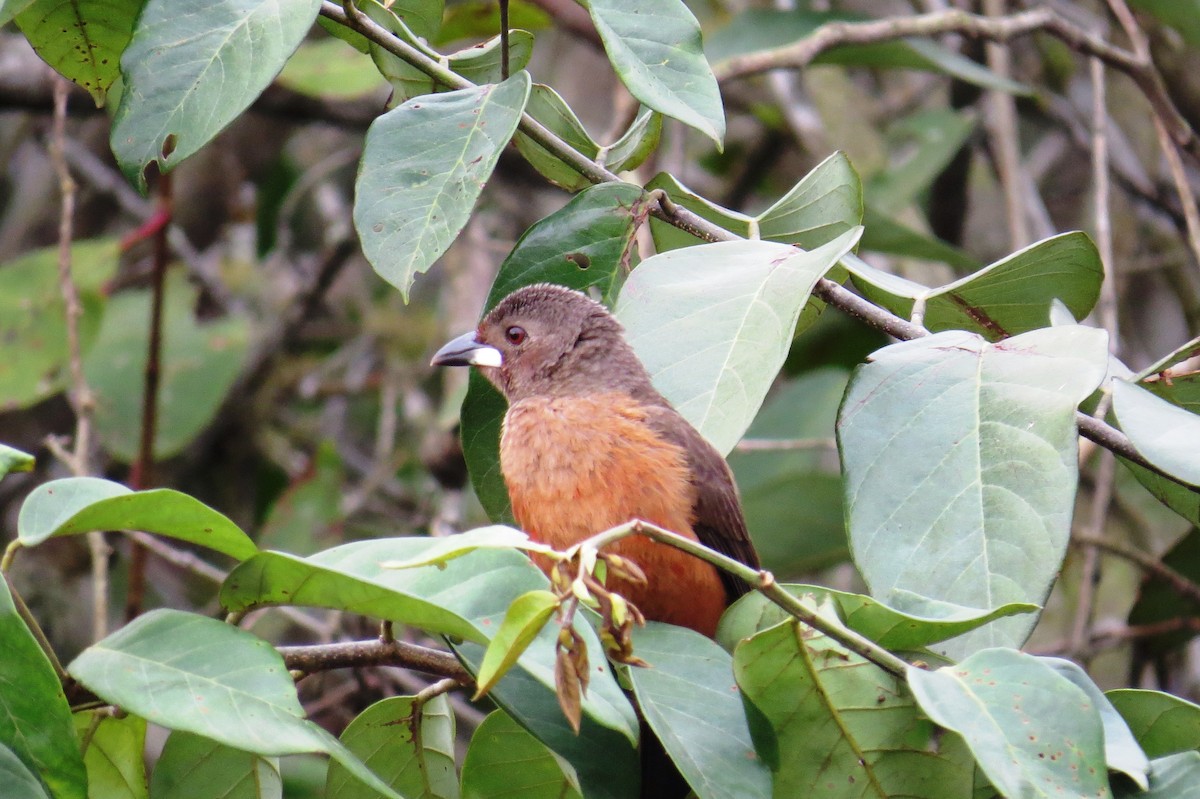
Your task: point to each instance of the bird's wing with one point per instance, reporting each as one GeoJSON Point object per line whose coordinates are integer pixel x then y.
{"type": "Point", "coordinates": [719, 523]}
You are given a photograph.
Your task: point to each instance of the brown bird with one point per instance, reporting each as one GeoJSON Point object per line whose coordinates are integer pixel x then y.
{"type": "Point", "coordinates": [588, 444]}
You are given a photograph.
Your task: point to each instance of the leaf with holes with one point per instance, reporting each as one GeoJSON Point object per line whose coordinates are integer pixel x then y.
{"type": "Point", "coordinates": [82, 40]}
{"type": "Point", "coordinates": [424, 164]}
{"type": "Point", "coordinates": [960, 464]}
{"type": "Point", "coordinates": [192, 67]}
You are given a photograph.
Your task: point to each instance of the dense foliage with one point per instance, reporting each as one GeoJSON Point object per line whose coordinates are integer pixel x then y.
{"type": "Point", "coordinates": [995, 422]}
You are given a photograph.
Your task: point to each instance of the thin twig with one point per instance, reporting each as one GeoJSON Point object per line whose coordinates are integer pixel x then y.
{"type": "Point", "coordinates": [83, 402]}
{"type": "Point", "coordinates": [997, 29]}
{"type": "Point", "coordinates": [1179, 583]}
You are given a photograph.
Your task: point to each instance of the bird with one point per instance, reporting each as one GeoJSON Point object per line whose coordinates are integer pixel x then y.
{"type": "Point", "coordinates": [588, 443]}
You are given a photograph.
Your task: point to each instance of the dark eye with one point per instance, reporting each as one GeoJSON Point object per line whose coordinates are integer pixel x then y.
{"type": "Point", "coordinates": [515, 335]}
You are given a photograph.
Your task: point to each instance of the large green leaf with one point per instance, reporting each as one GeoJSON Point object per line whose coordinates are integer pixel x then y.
{"type": "Point", "coordinates": [1031, 730]}
{"type": "Point", "coordinates": [1011, 296]}
{"type": "Point", "coordinates": [409, 745]}
{"type": "Point", "coordinates": [192, 67]}
{"type": "Point", "coordinates": [686, 698]}
{"type": "Point", "coordinates": [713, 324]}
{"type": "Point", "coordinates": [960, 464]}
{"type": "Point", "coordinates": [838, 726]}
{"type": "Point", "coordinates": [81, 39]}
{"type": "Point", "coordinates": [505, 761]}
{"type": "Point", "coordinates": [587, 244]}
{"type": "Point", "coordinates": [1163, 724]}
{"type": "Point", "coordinates": [75, 505]}
{"type": "Point", "coordinates": [1182, 391]}
{"type": "Point", "coordinates": [656, 51]}
{"type": "Point", "coordinates": [115, 754]}
{"type": "Point", "coordinates": [885, 626]}
{"type": "Point", "coordinates": [423, 166]}
{"type": "Point", "coordinates": [188, 672]}
{"type": "Point", "coordinates": [32, 318]}
{"type": "Point", "coordinates": [18, 781]}
{"type": "Point", "coordinates": [1165, 434]}
{"type": "Point", "coordinates": [199, 362]}
{"type": "Point", "coordinates": [35, 722]}
{"type": "Point", "coordinates": [200, 768]}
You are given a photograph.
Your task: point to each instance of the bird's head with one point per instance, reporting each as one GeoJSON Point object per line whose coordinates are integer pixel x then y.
{"type": "Point", "coordinates": [548, 341]}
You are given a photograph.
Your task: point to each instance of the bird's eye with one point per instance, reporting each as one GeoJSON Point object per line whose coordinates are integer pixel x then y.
{"type": "Point", "coordinates": [515, 335]}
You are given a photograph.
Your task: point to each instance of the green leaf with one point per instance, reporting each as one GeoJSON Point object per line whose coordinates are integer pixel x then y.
{"type": "Point", "coordinates": [1159, 601]}
{"type": "Point", "coordinates": [10, 8]}
{"type": "Point", "coordinates": [192, 67]}
{"type": "Point", "coordinates": [482, 63]}
{"type": "Point", "coordinates": [526, 617]}
{"type": "Point", "coordinates": [410, 745]}
{"type": "Point", "coordinates": [585, 245]}
{"type": "Point", "coordinates": [1164, 434]}
{"type": "Point", "coordinates": [884, 235]}
{"type": "Point", "coordinates": [330, 68]}
{"type": "Point", "coordinates": [635, 145]}
{"type": "Point", "coordinates": [826, 203]}
{"type": "Point", "coordinates": [200, 768]}
{"type": "Point", "coordinates": [1163, 724]}
{"type": "Point", "coordinates": [885, 626]}
{"type": "Point", "coordinates": [81, 39]}
{"type": "Point", "coordinates": [32, 318]}
{"type": "Point", "coordinates": [713, 324]}
{"type": "Point", "coordinates": [686, 695]}
{"type": "Point", "coordinates": [960, 462]}
{"type": "Point", "coordinates": [18, 781]}
{"type": "Point", "coordinates": [549, 108]}
{"type": "Point", "coordinates": [1182, 391]}
{"type": "Point", "coordinates": [448, 548]}
{"type": "Point", "coordinates": [657, 54]}
{"type": "Point", "coordinates": [1032, 731]}
{"type": "Point", "coordinates": [406, 80]}
{"type": "Point", "coordinates": [115, 754]}
{"type": "Point", "coordinates": [1172, 777]}
{"type": "Point", "coordinates": [505, 761]}
{"type": "Point", "coordinates": [1011, 296]}
{"type": "Point", "coordinates": [75, 505]}
{"type": "Point", "coordinates": [35, 722]}
{"type": "Point", "coordinates": [423, 166]}
{"type": "Point", "coordinates": [187, 672]}
{"type": "Point", "coordinates": [199, 363]}
{"type": "Point", "coordinates": [1121, 749]}
{"type": "Point", "coordinates": [14, 460]}
{"type": "Point", "coordinates": [837, 726]}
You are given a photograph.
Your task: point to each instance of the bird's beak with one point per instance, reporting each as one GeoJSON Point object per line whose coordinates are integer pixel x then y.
{"type": "Point", "coordinates": [466, 350]}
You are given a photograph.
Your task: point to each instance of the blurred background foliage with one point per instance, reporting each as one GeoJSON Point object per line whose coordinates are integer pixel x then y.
{"type": "Point", "coordinates": [296, 395]}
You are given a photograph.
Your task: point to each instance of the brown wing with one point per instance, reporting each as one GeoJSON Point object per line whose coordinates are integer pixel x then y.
{"type": "Point", "coordinates": [719, 523]}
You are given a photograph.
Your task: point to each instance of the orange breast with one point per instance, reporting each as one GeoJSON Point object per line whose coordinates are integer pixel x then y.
{"type": "Point", "coordinates": [575, 467]}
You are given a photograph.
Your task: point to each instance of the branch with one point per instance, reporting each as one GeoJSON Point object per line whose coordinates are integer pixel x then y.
{"type": "Point", "coordinates": [763, 582]}
{"type": "Point", "coordinates": [326, 657]}
{"type": "Point", "coordinates": [1179, 583]}
{"type": "Point", "coordinates": [996, 29]}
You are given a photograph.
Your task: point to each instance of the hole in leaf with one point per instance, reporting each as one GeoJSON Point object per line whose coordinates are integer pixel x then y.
{"type": "Point", "coordinates": [168, 145]}
{"type": "Point", "coordinates": [579, 259]}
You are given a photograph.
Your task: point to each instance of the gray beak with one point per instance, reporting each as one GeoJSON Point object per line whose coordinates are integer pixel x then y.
{"type": "Point", "coordinates": [466, 350]}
